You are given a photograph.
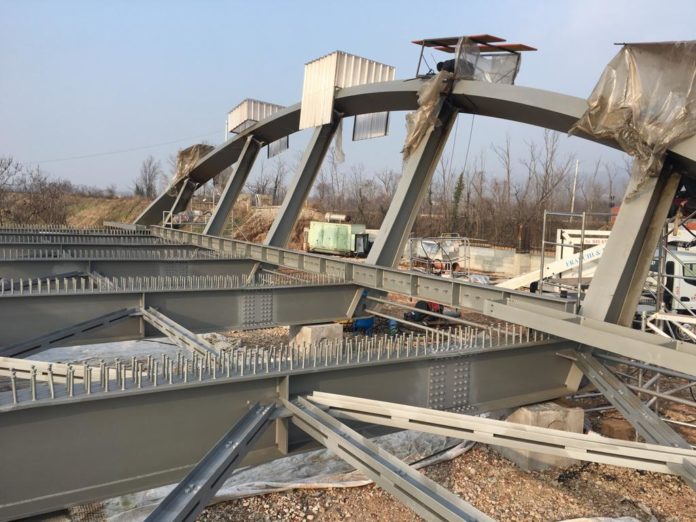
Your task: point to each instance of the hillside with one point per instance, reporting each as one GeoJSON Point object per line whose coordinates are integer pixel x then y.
{"type": "Point", "coordinates": [86, 211]}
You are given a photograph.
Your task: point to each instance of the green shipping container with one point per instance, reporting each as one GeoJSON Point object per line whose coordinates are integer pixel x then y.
{"type": "Point", "coordinates": [337, 238]}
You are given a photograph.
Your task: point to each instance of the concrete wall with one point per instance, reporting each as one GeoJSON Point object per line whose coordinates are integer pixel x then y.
{"type": "Point", "coordinates": [502, 261]}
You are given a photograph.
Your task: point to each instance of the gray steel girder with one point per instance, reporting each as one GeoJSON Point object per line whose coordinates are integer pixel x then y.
{"type": "Point", "coordinates": [653, 349]}
{"type": "Point", "coordinates": [200, 311]}
{"type": "Point", "coordinates": [234, 187]}
{"type": "Point", "coordinates": [35, 268]}
{"type": "Point", "coordinates": [177, 333]}
{"type": "Point", "coordinates": [195, 491]}
{"type": "Point", "coordinates": [449, 292]}
{"type": "Point", "coordinates": [107, 428]}
{"type": "Point", "coordinates": [423, 495]}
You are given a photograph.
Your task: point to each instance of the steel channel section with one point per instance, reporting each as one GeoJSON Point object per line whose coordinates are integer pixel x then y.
{"type": "Point", "coordinates": [177, 333]}
{"type": "Point", "coordinates": [195, 491]}
{"type": "Point", "coordinates": [615, 452]}
{"type": "Point", "coordinates": [113, 425]}
{"type": "Point", "coordinates": [298, 189]}
{"type": "Point", "coordinates": [233, 187]}
{"type": "Point", "coordinates": [36, 268]}
{"type": "Point", "coordinates": [667, 353]}
{"type": "Point", "coordinates": [200, 311]}
{"type": "Point", "coordinates": [423, 495]}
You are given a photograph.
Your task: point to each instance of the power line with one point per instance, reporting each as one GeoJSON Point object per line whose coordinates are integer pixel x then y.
{"type": "Point", "coordinates": [121, 151]}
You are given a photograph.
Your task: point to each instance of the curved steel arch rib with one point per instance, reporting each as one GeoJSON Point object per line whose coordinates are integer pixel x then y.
{"type": "Point", "coordinates": [521, 104]}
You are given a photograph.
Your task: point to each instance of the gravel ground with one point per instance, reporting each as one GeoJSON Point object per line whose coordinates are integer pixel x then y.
{"type": "Point", "coordinates": [495, 486]}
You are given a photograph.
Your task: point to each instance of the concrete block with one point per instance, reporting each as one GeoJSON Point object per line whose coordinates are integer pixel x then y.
{"type": "Point", "coordinates": [545, 415]}
{"type": "Point", "coordinates": [315, 333]}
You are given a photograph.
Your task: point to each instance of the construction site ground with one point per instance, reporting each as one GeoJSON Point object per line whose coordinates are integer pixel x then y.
{"type": "Point", "coordinates": [482, 477]}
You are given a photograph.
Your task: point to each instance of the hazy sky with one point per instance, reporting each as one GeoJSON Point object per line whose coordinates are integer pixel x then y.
{"type": "Point", "coordinates": [79, 78]}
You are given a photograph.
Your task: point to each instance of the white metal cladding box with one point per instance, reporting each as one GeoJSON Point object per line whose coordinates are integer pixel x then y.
{"type": "Point", "coordinates": [336, 70]}
{"type": "Point", "coordinates": [248, 113]}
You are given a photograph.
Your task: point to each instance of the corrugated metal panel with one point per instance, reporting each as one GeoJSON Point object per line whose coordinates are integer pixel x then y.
{"type": "Point", "coordinates": [248, 113]}
{"type": "Point", "coordinates": [276, 147]}
{"type": "Point", "coordinates": [336, 70]}
{"type": "Point", "coordinates": [373, 125]}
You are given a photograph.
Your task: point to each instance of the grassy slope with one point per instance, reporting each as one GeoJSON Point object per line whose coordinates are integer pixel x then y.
{"type": "Point", "coordinates": [86, 211]}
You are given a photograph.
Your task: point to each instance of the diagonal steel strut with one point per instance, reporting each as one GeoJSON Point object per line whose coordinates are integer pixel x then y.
{"type": "Point", "coordinates": [44, 342]}
{"type": "Point", "coordinates": [646, 422]}
{"type": "Point", "coordinates": [194, 492]}
{"type": "Point", "coordinates": [415, 490]}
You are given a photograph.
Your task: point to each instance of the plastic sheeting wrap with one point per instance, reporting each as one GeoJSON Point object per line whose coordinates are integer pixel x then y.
{"type": "Point", "coordinates": [318, 469]}
{"type": "Point", "coordinates": [419, 122]}
{"type": "Point", "coordinates": [187, 158]}
{"type": "Point", "coordinates": [645, 100]}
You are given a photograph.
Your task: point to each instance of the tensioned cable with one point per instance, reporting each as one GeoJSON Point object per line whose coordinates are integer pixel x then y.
{"type": "Point", "coordinates": [121, 151]}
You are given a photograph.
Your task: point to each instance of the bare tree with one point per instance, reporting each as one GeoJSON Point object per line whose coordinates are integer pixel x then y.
{"type": "Point", "coordinates": [277, 183]}
{"type": "Point", "coordinates": [147, 181]}
{"type": "Point", "coordinates": [10, 170]}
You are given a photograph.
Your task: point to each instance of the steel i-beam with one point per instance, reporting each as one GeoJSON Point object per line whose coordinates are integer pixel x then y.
{"type": "Point", "coordinates": [195, 491]}
{"type": "Point", "coordinates": [234, 187]}
{"type": "Point", "coordinates": [423, 495]}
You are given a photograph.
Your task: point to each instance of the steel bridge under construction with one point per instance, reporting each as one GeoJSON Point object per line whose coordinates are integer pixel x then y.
{"type": "Point", "coordinates": [73, 433]}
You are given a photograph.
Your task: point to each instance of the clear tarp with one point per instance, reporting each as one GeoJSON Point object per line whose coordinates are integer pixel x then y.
{"type": "Point", "coordinates": [492, 68]}
{"type": "Point", "coordinates": [645, 100]}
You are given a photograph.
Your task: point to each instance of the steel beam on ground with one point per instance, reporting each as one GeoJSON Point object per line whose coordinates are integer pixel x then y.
{"type": "Point", "coordinates": [298, 189]}
{"type": "Point", "coordinates": [61, 337]}
{"type": "Point", "coordinates": [234, 187]}
{"type": "Point", "coordinates": [194, 492]}
{"type": "Point", "coordinates": [124, 267]}
{"type": "Point", "coordinates": [413, 185]}
{"type": "Point", "coordinates": [618, 281]}
{"type": "Point", "coordinates": [668, 353]}
{"type": "Point", "coordinates": [449, 292]}
{"type": "Point", "coordinates": [111, 423]}
{"type": "Point", "coordinates": [176, 333]}
{"type": "Point", "coordinates": [199, 310]}
{"type": "Point", "coordinates": [646, 422]}
{"type": "Point", "coordinates": [423, 495]}
{"type": "Point", "coordinates": [636, 455]}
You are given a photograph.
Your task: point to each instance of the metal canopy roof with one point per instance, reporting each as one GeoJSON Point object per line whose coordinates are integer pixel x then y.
{"type": "Point", "coordinates": [487, 43]}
